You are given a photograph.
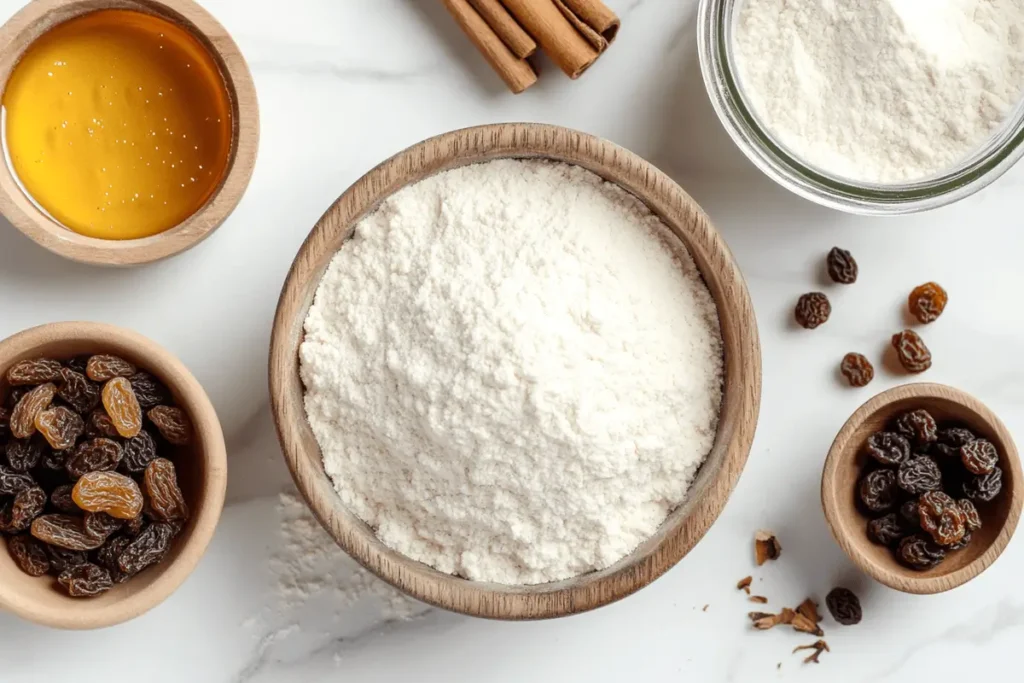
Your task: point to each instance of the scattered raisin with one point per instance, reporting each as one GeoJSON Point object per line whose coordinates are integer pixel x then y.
{"type": "Point", "coordinates": [78, 392]}
{"type": "Point", "coordinates": [844, 606]}
{"type": "Point", "coordinates": [13, 482]}
{"type": "Point", "coordinates": [85, 580]}
{"type": "Point", "coordinates": [23, 418]}
{"type": "Point", "coordinates": [149, 391]}
{"type": "Point", "coordinates": [918, 475]}
{"type": "Point", "coordinates": [60, 426]}
{"type": "Point", "coordinates": [841, 266]}
{"type": "Point", "coordinates": [61, 499]}
{"type": "Point", "coordinates": [62, 558]}
{"type": "Point", "coordinates": [100, 525]}
{"type": "Point", "coordinates": [984, 487]}
{"type": "Point", "coordinates": [941, 517]}
{"type": "Point", "coordinates": [165, 498]}
{"type": "Point", "coordinates": [927, 302]}
{"type": "Point", "coordinates": [878, 490]}
{"type": "Point", "coordinates": [139, 451]}
{"type": "Point", "coordinates": [108, 492]}
{"type": "Point", "coordinates": [23, 454]}
{"type": "Point", "coordinates": [857, 369]}
{"type": "Point", "coordinates": [103, 368]}
{"type": "Point", "coordinates": [100, 424]}
{"type": "Point", "coordinates": [979, 456]}
{"type": "Point", "coordinates": [32, 372]}
{"type": "Point", "coordinates": [918, 552]}
{"type": "Point", "coordinates": [172, 423]}
{"type": "Point", "coordinates": [29, 554]}
{"type": "Point", "coordinates": [913, 355]}
{"type": "Point", "coordinates": [122, 407]}
{"type": "Point", "coordinates": [919, 426]}
{"type": "Point", "coordinates": [27, 505]}
{"type": "Point", "coordinates": [888, 448]}
{"type": "Point", "coordinates": [971, 517]}
{"type": "Point", "coordinates": [885, 530]}
{"type": "Point", "coordinates": [812, 310]}
{"type": "Point", "coordinates": [65, 531]}
{"type": "Point", "coordinates": [148, 548]}
{"type": "Point", "coordinates": [96, 455]}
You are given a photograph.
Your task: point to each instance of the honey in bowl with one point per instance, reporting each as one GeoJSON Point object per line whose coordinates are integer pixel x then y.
{"type": "Point", "coordinates": [118, 124]}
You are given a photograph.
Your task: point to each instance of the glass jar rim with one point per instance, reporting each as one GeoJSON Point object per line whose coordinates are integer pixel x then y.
{"type": "Point", "coordinates": [1000, 152]}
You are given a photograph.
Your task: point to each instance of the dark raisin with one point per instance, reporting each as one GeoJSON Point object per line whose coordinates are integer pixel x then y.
{"type": "Point", "coordinates": [971, 517]}
{"type": "Point", "coordinates": [62, 558]}
{"type": "Point", "coordinates": [139, 451]}
{"type": "Point", "coordinates": [955, 436]}
{"type": "Point", "coordinates": [29, 554]}
{"type": "Point", "coordinates": [919, 426]}
{"type": "Point", "coordinates": [96, 455]}
{"type": "Point", "coordinates": [172, 423]}
{"type": "Point", "coordinates": [5, 423]}
{"type": "Point", "coordinates": [888, 448]}
{"type": "Point", "coordinates": [918, 552]}
{"type": "Point", "coordinates": [54, 461]}
{"type": "Point", "coordinates": [962, 543]}
{"type": "Point", "coordinates": [841, 266]}
{"type": "Point", "coordinates": [941, 517]}
{"type": "Point", "coordinates": [918, 475]}
{"type": "Point", "coordinates": [13, 483]}
{"type": "Point", "coordinates": [857, 369]}
{"type": "Point", "coordinates": [984, 487]}
{"type": "Point", "coordinates": [101, 525]}
{"type": "Point", "coordinates": [927, 302]}
{"type": "Point", "coordinates": [63, 530]}
{"type": "Point", "coordinates": [85, 580]}
{"type": "Point", "coordinates": [108, 556]}
{"type": "Point", "coordinates": [149, 391]}
{"type": "Point", "coordinates": [61, 499]}
{"type": "Point", "coordinates": [878, 490]}
{"type": "Point", "coordinates": [24, 454]}
{"type": "Point", "coordinates": [979, 456]}
{"type": "Point", "coordinates": [911, 351]}
{"type": "Point", "coordinates": [844, 606]}
{"type": "Point", "coordinates": [78, 392]}
{"type": "Point", "coordinates": [148, 548]}
{"type": "Point", "coordinates": [78, 364]}
{"type": "Point", "coordinates": [100, 424]}
{"type": "Point", "coordinates": [27, 505]}
{"type": "Point", "coordinates": [910, 517]}
{"type": "Point", "coordinates": [812, 310]}
{"type": "Point", "coordinates": [886, 530]}
{"type": "Point", "coordinates": [32, 372]}
{"type": "Point", "coordinates": [102, 368]}
{"type": "Point", "coordinates": [14, 396]}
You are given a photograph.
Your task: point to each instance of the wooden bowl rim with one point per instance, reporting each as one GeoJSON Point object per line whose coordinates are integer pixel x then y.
{"type": "Point", "coordinates": [38, 16]}
{"type": "Point", "coordinates": [684, 527]}
{"type": "Point", "coordinates": [70, 613]}
{"type": "Point", "coordinates": [842, 528]}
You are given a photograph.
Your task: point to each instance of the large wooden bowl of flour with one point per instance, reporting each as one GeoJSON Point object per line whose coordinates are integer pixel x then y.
{"type": "Point", "coordinates": [742, 372]}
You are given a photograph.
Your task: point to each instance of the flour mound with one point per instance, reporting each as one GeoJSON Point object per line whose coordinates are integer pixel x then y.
{"type": "Point", "coordinates": [509, 375]}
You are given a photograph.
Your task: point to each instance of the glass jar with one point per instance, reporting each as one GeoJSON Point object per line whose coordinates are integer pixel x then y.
{"type": "Point", "coordinates": [716, 23]}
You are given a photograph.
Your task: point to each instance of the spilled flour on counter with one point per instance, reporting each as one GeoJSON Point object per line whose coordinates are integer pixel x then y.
{"type": "Point", "coordinates": [510, 375]}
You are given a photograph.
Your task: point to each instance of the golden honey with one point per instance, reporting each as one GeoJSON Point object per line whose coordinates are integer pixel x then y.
{"type": "Point", "coordinates": [118, 124]}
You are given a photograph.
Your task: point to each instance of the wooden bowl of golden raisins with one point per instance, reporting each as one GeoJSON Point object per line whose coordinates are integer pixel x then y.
{"type": "Point", "coordinates": [113, 472]}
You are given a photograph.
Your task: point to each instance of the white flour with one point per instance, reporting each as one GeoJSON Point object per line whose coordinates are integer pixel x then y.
{"type": "Point", "coordinates": [509, 376]}
{"type": "Point", "coordinates": [882, 90]}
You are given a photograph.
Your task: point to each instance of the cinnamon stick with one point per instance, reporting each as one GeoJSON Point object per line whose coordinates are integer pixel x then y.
{"type": "Point", "coordinates": [555, 34]}
{"type": "Point", "coordinates": [597, 16]}
{"type": "Point", "coordinates": [596, 40]}
{"type": "Point", "coordinates": [510, 32]}
{"type": "Point", "coordinates": [517, 73]}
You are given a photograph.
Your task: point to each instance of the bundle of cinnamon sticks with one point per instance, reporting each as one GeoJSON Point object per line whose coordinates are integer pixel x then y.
{"type": "Point", "coordinates": [574, 33]}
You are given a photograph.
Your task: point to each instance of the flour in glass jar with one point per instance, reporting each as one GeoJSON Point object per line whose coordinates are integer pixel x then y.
{"type": "Point", "coordinates": [511, 376]}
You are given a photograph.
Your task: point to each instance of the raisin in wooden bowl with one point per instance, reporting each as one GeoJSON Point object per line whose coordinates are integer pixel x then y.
{"type": "Point", "coordinates": [848, 461]}
{"type": "Point", "coordinates": [201, 471]}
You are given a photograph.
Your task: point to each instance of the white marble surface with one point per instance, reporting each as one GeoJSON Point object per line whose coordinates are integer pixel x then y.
{"type": "Point", "coordinates": [344, 84]}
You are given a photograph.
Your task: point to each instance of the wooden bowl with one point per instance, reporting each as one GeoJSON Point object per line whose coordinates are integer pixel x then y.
{"type": "Point", "coordinates": [202, 473]}
{"type": "Point", "coordinates": [843, 468]}
{"type": "Point", "coordinates": [715, 480]}
{"type": "Point", "coordinates": [40, 16]}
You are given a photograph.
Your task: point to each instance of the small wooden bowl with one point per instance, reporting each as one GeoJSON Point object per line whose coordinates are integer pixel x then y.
{"type": "Point", "coordinates": [843, 468]}
{"type": "Point", "coordinates": [40, 16]}
{"type": "Point", "coordinates": [202, 473]}
{"type": "Point", "coordinates": [716, 478]}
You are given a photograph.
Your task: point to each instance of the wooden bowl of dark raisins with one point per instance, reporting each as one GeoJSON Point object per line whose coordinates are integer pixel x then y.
{"type": "Point", "coordinates": [922, 488]}
{"type": "Point", "coordinates": [98, 532]}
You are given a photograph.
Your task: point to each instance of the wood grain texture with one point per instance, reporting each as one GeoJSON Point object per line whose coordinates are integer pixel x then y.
{"type": "Point", "coordinates": [846, 459]}
{"type": "Point", "coordinates": [715, 480]}
{"type": "Point", "coordinates": [202, 471]}
{"type": "Point", "coordinates": [41, 15]}
{"type": "Point", "coordinates": [507, 28]}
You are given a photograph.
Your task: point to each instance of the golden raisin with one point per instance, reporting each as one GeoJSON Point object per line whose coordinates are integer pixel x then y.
{"type": "Point", "coordinates": [23, 418]}
{"type": "Point", "coordinates": [103, 367]}
{"type": "Point", "coordinates": [165, 498]}
{"type": "Point", "coordinates": [60, 426]}
{"type": "Point", "coordinates": [927, 301]}
{"type": "Point", "coordinates": [122, 407]}
{"type": "Point", "coordinates": [110, 492]}
{"type": "Point", "coordinates": [173, 424]}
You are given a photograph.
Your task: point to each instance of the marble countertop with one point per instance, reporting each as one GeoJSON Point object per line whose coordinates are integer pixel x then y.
{"type": "Point", "coordinates": [344, 84]}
